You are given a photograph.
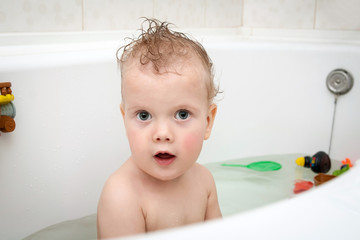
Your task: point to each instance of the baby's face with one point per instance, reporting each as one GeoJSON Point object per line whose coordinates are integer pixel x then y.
{"type": "Point", "coordinates": [167, 116]}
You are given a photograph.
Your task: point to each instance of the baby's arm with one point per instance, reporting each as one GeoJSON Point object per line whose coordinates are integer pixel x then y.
{"type": "Point", "coordinates": [119, 213]}
{"type": "Point", "coordinates": [213, 208]}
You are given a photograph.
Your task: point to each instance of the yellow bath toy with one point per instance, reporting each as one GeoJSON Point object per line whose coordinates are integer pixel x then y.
{"type": "Point", "coordinates": [6, 99]}
{"type": "Point", "coordinates": [300, 161]}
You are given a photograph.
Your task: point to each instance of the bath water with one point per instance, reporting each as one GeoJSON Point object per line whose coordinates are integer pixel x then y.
{"type": "Point", "coordinates": [242, 189]}
{"type": "Point", "coordinates": [239, 190]}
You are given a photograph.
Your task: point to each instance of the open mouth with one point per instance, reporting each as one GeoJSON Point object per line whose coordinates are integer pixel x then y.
{"type": "Point", "coordinates": [164, 158]}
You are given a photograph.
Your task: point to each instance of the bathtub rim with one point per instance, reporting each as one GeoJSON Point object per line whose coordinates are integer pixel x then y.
{"type": "Point", "coordinates": [104, 39]}
{"type": "Point", "coordinates": [45, 49]}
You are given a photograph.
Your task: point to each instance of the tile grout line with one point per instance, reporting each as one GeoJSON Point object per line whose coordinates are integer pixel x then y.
{"type": "Point", "coordinates": [153, 10]}
{"type": "Point", "coordinates": [315, 11]}
{"type": "Point", "coordinates": [205, 10]}
{"type": "Point", "coordinates": [82, 15]}
{"type": "Point", "coordinates": [242, 13]}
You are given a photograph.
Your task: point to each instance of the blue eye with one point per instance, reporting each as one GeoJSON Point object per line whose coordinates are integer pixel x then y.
{"type": "Point", "coordinates": [143, 116]}
{"type": "Point", "coordinates": [182, 114]}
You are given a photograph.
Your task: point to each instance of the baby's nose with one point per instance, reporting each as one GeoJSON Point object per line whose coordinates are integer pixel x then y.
{"type": "Point", "coordinates": [162, 138]}
{"type": "Point", "coordinates": [163, 133]}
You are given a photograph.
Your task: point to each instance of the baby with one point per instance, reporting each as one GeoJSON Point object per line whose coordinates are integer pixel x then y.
{"type": "Point", "coordinates": [168, 111]}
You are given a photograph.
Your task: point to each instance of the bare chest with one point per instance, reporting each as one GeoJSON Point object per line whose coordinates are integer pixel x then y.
{"type": "Point", "coordinates": [171, 208]}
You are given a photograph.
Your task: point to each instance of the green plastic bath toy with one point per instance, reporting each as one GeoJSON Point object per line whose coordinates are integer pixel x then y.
{"type": "Point", "coordinates": [262, 166]}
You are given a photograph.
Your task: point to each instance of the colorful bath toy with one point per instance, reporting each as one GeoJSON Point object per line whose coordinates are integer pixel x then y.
{"type": "Point", "coordinates": [6, 99]}
{"type": "Point", "coordinates": [7, 108]}
{"type": "Point", "coordinates": [5, 93]}
{"type": "Point", "coordinates": [343, 169]}
{"type": "Point", "coordinates": [322, 178]}
{"type": "Point", "coordinates": [345, 166]}
{"type": "Point", "coordinates": [302, 185]}
{"type": "Point", "coordinates": [261, 166]}
{"type": "Point", "coordinates": [347, 161]}
{"type": "Point", "coordinates": [319, 163]}
{"type": "Point", "coordinates": [7, 124]}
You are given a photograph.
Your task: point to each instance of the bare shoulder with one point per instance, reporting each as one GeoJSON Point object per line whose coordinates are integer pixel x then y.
{"type": "Point", "coordinates": [213, 208]}
{"type": "Point", "coordinates": [118, 186]}
{"type": "Point", "coordinates": [119, 213]}
{"type": "Point", "coordinates": [204, 174]}
{"type": "Point", "coordinates": [116, 189]}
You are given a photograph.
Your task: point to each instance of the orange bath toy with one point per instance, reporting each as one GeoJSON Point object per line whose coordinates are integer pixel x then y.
{"type": "Point", "coordinates": [347, 161]}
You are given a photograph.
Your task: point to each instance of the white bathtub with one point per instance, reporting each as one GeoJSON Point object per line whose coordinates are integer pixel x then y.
{"type": "Point", "coordinates": [69, 136]}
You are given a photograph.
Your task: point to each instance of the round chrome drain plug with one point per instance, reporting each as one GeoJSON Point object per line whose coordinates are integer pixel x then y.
{"type": "Point", "coordinates": [339, 81]}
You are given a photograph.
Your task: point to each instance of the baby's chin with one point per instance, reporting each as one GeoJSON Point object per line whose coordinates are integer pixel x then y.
{"type": "Point", "coordinates": [167, 175]}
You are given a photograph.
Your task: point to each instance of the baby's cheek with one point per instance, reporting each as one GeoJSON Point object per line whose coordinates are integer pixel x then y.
{"type": "Point", "coordinates": [193, 142]}
{"type": "Point", "coordinates": [135, 141]}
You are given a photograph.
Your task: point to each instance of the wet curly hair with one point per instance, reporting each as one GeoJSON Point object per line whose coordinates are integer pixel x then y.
{"type": "Point", "coordinates": [162, 47]}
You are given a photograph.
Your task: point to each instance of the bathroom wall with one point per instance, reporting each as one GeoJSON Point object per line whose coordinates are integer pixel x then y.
{"type": "Point", "coordinates": [105, 15]}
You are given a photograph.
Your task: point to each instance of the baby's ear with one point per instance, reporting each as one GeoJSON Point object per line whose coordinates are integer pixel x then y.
{"type": "Point", "coordinates": [122, 110]}
{"type": "Point", "coordinates": [210, 120]}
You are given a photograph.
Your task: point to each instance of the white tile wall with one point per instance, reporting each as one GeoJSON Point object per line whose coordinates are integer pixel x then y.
{"type": "Point", "coordinates": [184, 13]}
{"type": "Point", "coordinates": [40, 15]}
{"type": "Point", "coordinates": [338, 14]}
{"type": "Point", "coordinates": [97, 15]}
{"type": "Point", "coordinates": [279, 13]}
{"type": "Point", "coordinates": [115, 14]}
{"type": "Point", "coordinates": [225, 13]}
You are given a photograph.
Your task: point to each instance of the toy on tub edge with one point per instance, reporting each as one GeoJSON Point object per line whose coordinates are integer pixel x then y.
{"type": "Point", "coordinates": [7, 108]}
